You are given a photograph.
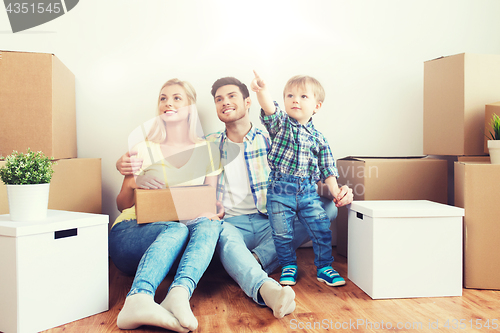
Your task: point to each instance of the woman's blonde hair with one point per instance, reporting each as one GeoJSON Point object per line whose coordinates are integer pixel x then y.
{"type": "Point", "coordinates": [158, 131]}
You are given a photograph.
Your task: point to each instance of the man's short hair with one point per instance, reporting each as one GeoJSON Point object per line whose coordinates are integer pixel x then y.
{"type": "Point", "coordinates": [302, 81]}
{"type": "Point", "coordinates": [225, 81]}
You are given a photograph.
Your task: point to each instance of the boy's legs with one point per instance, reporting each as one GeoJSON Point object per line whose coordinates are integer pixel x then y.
{"type": "Point", "coordinates": [314, 218]}
{"type": "Point", "coordinates": [281, 208]}
{"type": "Point", "coordinates": [266, 251]}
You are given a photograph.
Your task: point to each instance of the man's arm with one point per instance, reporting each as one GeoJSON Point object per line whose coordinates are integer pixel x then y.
{"type": "Point", "coordinates": [128, 164]}
{"type": "Point", "coordinates": [259, 87]}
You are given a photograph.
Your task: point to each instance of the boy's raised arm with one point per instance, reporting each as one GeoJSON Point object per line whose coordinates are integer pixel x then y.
{"type": "Point", "coordinates": [259, 87]}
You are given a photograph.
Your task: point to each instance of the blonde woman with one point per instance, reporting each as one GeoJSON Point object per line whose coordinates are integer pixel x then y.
{"type": "Point", "coordinates": [172, 155]}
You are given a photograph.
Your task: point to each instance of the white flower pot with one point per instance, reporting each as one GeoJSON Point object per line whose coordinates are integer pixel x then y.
{"type": "Point", "coordinates": [494, 148]}
{"type": "Point", "coordinates": [28, 202]}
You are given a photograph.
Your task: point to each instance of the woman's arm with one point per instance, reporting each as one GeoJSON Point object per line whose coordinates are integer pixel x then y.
{"type": "Point", "coordinates": [125, 198]}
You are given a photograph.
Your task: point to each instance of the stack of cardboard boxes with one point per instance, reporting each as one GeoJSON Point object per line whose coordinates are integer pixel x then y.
{"type": "Point", "coordinates": [37, 111]}
{"type": "Point", "coordinates": [458, 91]}
{"type": "Point", "coordinates": [460, 94]}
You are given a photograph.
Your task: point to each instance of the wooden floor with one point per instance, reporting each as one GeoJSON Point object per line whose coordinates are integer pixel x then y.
{"type": "Point", "coordinates": [221, 306]}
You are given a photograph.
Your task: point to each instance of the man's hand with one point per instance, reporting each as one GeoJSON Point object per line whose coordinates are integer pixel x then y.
{"type": "Point", "coordinates": [128, 164]}
{"type": "Point", "coordinates": [220, 210]}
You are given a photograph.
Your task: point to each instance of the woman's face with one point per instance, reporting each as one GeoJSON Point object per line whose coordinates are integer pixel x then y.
{"type": "Point", "coordinates": [174, 103]}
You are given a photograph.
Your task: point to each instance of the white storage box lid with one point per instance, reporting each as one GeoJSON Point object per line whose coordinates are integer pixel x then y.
{"type": "Point", "coordinates": [405, 208]}
{"type": "Point", "coordinates": [56, 220]}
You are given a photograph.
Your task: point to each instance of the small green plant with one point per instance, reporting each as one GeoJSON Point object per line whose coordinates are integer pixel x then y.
{"type": "Point", "coordinates": [29, 168]}
{"type": "Point", "coordinates": [495, 124]}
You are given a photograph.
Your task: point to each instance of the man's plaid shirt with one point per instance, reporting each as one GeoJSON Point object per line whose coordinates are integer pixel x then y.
{"type": "Point", "coordinates": [257, 145]}
{"type": "Point", "coordinates": [298, 150]}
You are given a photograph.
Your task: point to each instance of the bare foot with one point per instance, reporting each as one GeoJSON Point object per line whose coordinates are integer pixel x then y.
{"type": "Point", "coordinates": [280, 299]}
{"type": "Point", "coordinates": [177, 302]}
{"type": "Point", "coordinates": [141, 309]}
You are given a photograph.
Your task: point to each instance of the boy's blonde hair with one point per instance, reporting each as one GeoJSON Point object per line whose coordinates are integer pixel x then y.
{"type": "Point", "coordinates": [158, 131]}
{"type": "Point", "coordinates": [302, 81]}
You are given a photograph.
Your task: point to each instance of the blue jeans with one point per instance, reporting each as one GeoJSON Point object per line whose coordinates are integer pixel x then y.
{"type": "Point", "coordinates": [289, 197]}
{"type": "Point", "coordinates": [244, 234]}
{"type": "Point", "coordinates": [150, 250]}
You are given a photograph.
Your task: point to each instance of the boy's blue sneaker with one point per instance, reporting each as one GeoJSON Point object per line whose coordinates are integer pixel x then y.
{"type": "Point", "coordinates": [330, 276]}
{"type": "Point", "coordinates": [288, 275]}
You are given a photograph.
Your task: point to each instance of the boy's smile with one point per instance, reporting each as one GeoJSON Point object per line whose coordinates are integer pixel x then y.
{"type": "Point", "coordinates": [301, 104]}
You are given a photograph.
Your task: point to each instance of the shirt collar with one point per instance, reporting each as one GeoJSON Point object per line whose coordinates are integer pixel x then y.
{"type": "Point", "coordinates": [308, 125]}
{"type": "Point", "coordinates": [250, 136]}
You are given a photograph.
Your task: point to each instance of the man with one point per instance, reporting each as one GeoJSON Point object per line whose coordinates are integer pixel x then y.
{"type": "Point", "coordinates": [245, 246]}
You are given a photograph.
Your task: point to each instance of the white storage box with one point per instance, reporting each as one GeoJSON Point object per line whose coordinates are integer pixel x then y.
{"type": "Point", "coordinates": [405, 248]}
{"type": "Point", "coordinates": [52, 271]}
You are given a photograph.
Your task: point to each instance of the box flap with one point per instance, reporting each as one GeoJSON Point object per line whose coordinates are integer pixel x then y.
{"type": "Point", "coordinates": [404, 208]}
{"type": "Point", "coordinates": [367, 158]}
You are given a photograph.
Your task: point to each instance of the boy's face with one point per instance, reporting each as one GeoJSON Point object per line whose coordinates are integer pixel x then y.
{"type": "Point", "coordinates": [300, 103]}
{"type": "Point", "coordinates": [230, 104]}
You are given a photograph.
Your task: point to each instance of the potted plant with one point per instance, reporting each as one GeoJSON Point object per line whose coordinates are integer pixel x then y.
{"type": "Point", "coordinates": [27, 177]}
{"type": "Point", "coordinates": [494, 140]}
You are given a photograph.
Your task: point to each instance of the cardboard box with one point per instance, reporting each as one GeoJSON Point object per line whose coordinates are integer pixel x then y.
{"type": "Point", "coordinates": [451, 170]}
{"type": "Point", "coordinates": [456, 88]}
{"type": "Point", "coordinates": [489, 110]}
{"type": "Point", "coordinates": [181, 203]}
{"type": "Point", "coordinates": [37, 105]}
{"type": "Point", "coordinates": [390, 178]}
{"type": "Point", "coordinates": [477, 189]}
{"type": "Point", "coordinates": [54, 271]}
{"type": "Point", "coordinates": [405, 248]}
{"type": "Point", "coordinates": [75, 186]}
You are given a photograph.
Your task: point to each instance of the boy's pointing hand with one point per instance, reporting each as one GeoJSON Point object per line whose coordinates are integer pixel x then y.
{"type": "Point", "coordinates": [257, 83]}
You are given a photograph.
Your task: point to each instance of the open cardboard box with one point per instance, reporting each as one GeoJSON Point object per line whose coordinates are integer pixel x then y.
{"type": "Point", "coordinates": [390, 178]}
{"type": "Point", "coordinates": [180, 203]}
{"type": "Point", "coordinates": [37, 105]}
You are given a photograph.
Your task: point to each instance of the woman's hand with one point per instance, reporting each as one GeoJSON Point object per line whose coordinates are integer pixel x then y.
{"type": "Point", "coordinates": [209, 215]}
{"type": "Point", "coordinates": [148, 182]}
{"type": "Point", "coordinates": [212, 216]}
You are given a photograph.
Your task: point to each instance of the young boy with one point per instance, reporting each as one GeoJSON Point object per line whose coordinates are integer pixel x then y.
{"type": "Point", "coordinates": [299, 157]}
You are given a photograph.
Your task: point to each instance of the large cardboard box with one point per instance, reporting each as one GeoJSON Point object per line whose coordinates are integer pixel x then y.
{"type": "Point", "coordinates": [54, 271]}
{"type": "Point", "coordinates": [477, 189]}
{"type": "Point", "coordinates": [405, 248]}
{"type": "Point", "coordinates": [180, 203]}
{"type": "Point", "coordinates": [37, 105]}
{"type": "Point", "coordinates": [390, 178]}
{"type": "Point", "coordinates": [489, 110]}
{"type": "Point", "coordinates": [456, 89]}
{"type": "Point", "coordinates": [75, 186]}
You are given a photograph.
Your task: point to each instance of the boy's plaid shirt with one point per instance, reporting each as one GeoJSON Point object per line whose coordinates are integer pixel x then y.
{"type": "Point", "coordinates": [298, 150]}
{"type": "Point", "coordinates": [257, 145]}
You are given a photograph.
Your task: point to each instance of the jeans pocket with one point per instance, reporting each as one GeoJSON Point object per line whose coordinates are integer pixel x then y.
{"type": "Point", "coordinates": [277, 218]}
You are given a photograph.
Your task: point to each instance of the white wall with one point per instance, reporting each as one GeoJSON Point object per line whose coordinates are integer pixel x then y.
{"type": "Point", "coordinates": [368, 54]}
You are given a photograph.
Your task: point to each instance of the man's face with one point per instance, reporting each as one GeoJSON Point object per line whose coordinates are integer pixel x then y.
{"type": "Point", "coordinates": [230, 104]}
